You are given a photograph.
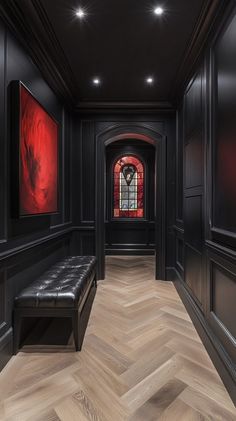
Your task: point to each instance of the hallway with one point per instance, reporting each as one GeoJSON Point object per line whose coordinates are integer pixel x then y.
{"type": "Point", "coordinates": [142, 360]}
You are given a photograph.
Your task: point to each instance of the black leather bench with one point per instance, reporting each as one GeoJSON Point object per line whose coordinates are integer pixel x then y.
{"type": "Point", "coordinates": [67, 289]}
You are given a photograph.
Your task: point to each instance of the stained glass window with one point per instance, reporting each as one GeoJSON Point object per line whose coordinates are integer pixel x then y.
{"type": "Point", "coordinates": [128, 188]}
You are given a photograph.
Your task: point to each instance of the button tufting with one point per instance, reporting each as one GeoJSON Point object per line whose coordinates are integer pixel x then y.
{"type": "Point", "coordinates": [63, 285]}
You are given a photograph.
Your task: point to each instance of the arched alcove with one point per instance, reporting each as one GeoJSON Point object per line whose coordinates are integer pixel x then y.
{"type": "Point", "coordinates": [124, 131]}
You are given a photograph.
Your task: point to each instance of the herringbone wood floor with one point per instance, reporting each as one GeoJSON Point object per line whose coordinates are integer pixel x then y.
{"type": "Point", "coordinates": [142, 360]}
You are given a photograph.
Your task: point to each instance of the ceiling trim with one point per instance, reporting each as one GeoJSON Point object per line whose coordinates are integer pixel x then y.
{"type": "Point", "coordinates": [211, 10]}
{"type": "Point", "coordinates": [38, 38]}
{"type": "Point", "coordinates": [126, 106]}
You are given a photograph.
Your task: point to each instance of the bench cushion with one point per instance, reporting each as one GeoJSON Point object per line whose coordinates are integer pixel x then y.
{"type": "Point", "coordinates": [63, 285]}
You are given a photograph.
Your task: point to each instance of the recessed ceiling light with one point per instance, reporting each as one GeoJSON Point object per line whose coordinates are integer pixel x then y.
{"type": "Point", "coordinates": [80, 13]}
{"type": "Point", "coordinates": [158, 11]}
{"type": "Point", "coordinates": [149, 80]}
{"type": "Point", "coordinates": [96, 81]}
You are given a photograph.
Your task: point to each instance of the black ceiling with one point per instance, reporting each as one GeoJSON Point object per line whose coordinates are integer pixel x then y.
{"type": "Point", "coordinates": [123, 42]}
{"type": "Point", "coordinates": [120, 41]}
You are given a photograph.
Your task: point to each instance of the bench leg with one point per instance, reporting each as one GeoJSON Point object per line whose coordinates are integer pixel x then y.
{"type": "Point", "coordinates": [16, 332]}
{"type": "Point", "coordinates": [75, 326]}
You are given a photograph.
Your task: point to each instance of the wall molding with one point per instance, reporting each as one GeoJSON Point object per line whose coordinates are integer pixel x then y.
{"type": "Point", "coordinates": [124, 106]}
{"type": "Point", "coordinates": [84, 228]}
{"type": "Point", "coordinates": [178, 229]}
{"type": "Point", "coordinates": [219, 357]}
{"type": "Point", "coordinates": [12, 252]}
{"type": "Point", "coordinates": [129, 252]}
{"type": "Point", "coordinates": [223, 251]}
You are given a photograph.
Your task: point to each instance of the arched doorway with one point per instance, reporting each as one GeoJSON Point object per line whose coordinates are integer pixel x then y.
{"type": "Point", "coordinates": [131, 131]}
{"type": "Point", "coordinates": [130, 196]}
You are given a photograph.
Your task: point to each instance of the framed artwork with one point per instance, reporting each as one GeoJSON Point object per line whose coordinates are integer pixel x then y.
{"type": "Point", "coordinates": [35, 150]}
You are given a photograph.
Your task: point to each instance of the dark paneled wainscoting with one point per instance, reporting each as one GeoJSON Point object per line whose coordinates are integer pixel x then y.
{"type": "Point", "coordinates": [19, 267]}
{"type": "Point", "coordinates": [130, 238]}
{"type": "Point", "coordinates": [205, 227]}
{"type": "Point", "coordinates": [208, 328]}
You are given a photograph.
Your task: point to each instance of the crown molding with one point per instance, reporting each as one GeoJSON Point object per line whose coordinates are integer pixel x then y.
{"type": "Point", "coordinates": [38, 38]}
{"type": "Point", "coordinates": [126, 106]}
{"type": "Point", "coordinates": [211, 11]}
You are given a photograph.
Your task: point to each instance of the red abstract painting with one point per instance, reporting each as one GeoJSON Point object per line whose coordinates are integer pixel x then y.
{"type": "Point", "coordinates": [38, 149]}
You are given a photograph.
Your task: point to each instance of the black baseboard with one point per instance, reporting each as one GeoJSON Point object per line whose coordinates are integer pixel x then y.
{"type": "Point", "coordinates": [221, 360]}
{"type": "Point", "coordinates": [129, 252]}
{"type": "Point", "coordinates": [6, 347]}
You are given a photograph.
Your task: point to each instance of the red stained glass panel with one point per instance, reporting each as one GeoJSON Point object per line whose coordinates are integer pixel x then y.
{"type": "Point", "coordinates": [128, 188]}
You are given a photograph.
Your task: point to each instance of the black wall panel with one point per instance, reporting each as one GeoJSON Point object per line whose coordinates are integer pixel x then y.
{"type": "Point", "coordinates": [67, 141]}
{"type": "Point", "coordinates": [207, 279]}
{"type": "Point", "coordinates": [3, 167]}
{"type": "Point", "coordinates": [193, 272]}
{"type": "Point", "coordinates": [221, 306]}
{"type": "Point", "coordinates": [2, 300]}
{"type": "Point", "coordinates": [87, 171]}
{"type": "Point", "coordinates": [83, 241]}
{"type": "Point", "coordinates": [193, 185]}
{"type": "Point", "coordinates": [28, 246]}
{"type": "Point", "coordinates": [224, 291]}
{"type": "Point", "coordinates": [193, 221]}
{"type": "Point", "coordinates": [179, 164]}
{"type": "Point", "coordinates": [88, 244]}
{"type": "Point", "coordinates": [193, 106]}
{"type": "Point", "coordinates": [225, 129]}
{"type": "Point", "coordinates": [193, 161]}
{"type": "Point", "coordinates": [180, 254]}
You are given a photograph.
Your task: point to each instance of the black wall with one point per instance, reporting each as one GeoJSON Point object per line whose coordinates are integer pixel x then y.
{"type": "Point", "coordinates": [205, 229]}
{"type": "Point", "coordinates": [84, 170]}
{"type": "Point", "coordinates": [27, 246]}
{"type": "Point", "coordinates": [131, 236]}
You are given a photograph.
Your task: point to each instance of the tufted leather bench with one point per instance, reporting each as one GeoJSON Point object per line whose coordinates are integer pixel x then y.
{"type": "Point", "coordinates": [67, 289]}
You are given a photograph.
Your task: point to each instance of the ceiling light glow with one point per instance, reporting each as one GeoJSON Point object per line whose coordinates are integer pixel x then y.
{"type": "Point", "coordinates": [149, 80]}
{"type": "Point", "coordinates": [158, 11]}
{"type": "Point", "coordinates": [80, 13]}
{"type": "Point", "coordinates": [96, 81]}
